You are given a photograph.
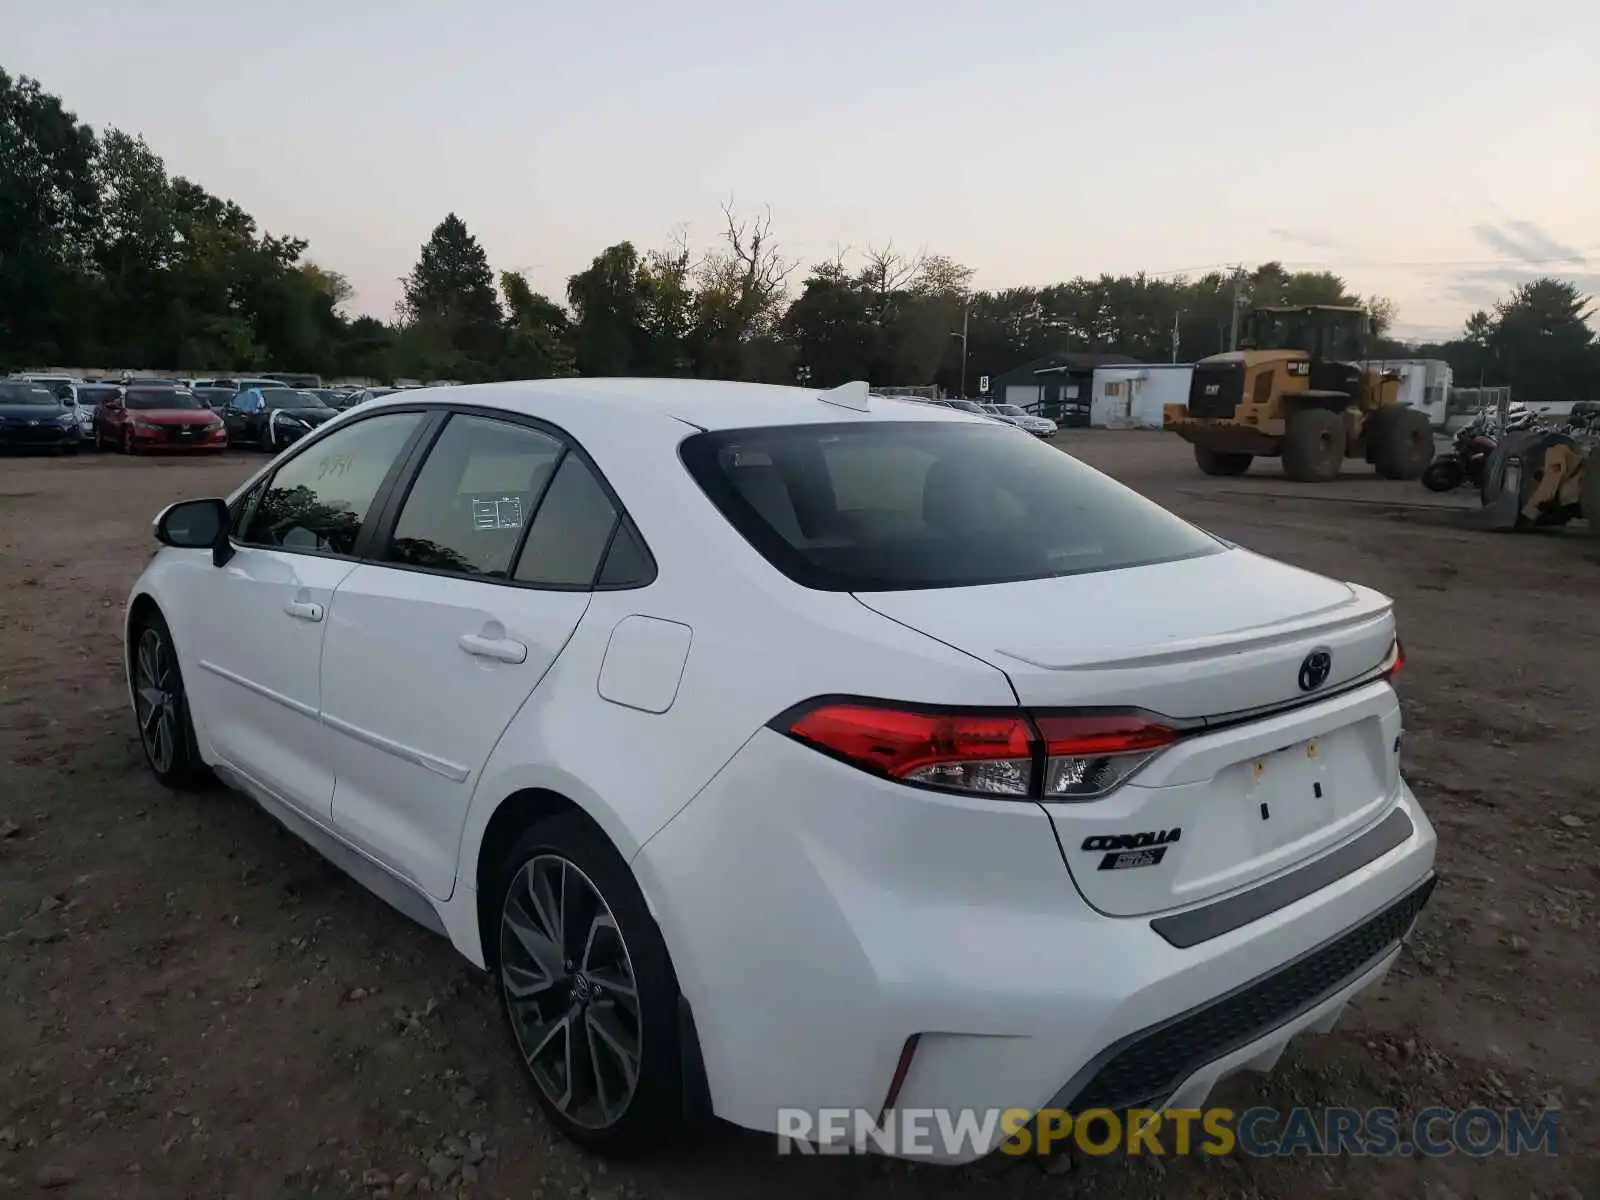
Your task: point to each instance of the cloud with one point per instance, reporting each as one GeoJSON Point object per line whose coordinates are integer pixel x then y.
{"type": "Point", "coordinates": [1482, 287]}
{"type": "Point", "coordinates": [1311, 239]}
{"type": "Point", "coordinates": [1526, 242]}
{"type": "Point", "coordinates": [1403, 331]}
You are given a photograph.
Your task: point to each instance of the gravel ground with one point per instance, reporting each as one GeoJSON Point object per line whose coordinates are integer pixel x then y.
{"type": "Point", "coordinates": [193, 1004]}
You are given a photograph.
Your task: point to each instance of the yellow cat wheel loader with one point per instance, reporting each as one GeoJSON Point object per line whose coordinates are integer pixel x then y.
{"type": "Point", "coordinates": [1298, 389]}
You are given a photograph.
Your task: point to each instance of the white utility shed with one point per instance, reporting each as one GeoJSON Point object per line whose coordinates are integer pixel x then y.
{"type": "Point", "coordinates": [1133, 397]}
{"type": "Point", "coordinates": [1424, 384]}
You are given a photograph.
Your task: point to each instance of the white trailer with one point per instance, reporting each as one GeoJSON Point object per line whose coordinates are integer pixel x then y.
{"type": "Point", "coordinates": [1424, 384]}
{"type": "Point", "coordinates": [1133, 397]}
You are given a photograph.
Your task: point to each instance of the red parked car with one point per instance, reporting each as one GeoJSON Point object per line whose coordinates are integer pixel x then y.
{"type": "Point", "coordinates": [157, 418]}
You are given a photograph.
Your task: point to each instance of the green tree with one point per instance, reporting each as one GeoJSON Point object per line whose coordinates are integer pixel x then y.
{"type": "Point", "coordinates": [1540, 340]}
{"type": "Point", "coordinates": [450, 304]}
{"type": "Point", "coordinates": [537, 344]}
{"type": "Point", "coordinates": [606, 307]}
{"type": "Point", "coordinates": [48, 214]}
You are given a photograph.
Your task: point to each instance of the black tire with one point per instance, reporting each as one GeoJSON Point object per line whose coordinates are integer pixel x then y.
{"type": "Point", "coordinates": [655, 1111]}
{"type": "Point", "coordinates": [1221, 462]}
{"type": "Point", "coordinates": [1589, 493]}
{"type": "Point", "coordinates": [182, 768]}
{"type": "Point", "coordinates": [1313, 447]}
{"type": "Point", "coordinates": [1401, 441]}
{"type": "Point", "coordinates": [1529, 447]}
{"type": "Point", "coordinates": [1444, 474]}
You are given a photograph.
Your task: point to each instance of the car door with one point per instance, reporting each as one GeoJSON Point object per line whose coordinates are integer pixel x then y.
{"type": "Point", "coordinates": [433, 648]}
{"type": "Point", "coordinates": [259, 654]}
{"type": "Point", "coordinates": [239, 415]}
{"type": "Point", "coordinates": [108, 419]}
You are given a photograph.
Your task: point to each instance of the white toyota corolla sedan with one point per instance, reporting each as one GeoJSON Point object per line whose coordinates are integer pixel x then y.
{"type": "Point", "coordinates": [784, 749]}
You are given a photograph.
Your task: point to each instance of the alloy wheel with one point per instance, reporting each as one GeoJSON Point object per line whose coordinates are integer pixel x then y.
{"type": "Point", "coordinates": [155, 700]}
{"type": "Point", "coordinates": [570, 991]}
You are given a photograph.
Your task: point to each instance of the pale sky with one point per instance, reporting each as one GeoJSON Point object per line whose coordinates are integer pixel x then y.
{"type": "Point", "coordinates": [1431, 150]}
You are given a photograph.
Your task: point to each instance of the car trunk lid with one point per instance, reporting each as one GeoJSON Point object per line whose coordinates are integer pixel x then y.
{"type": "Point", "coordinates": [1260, 666]}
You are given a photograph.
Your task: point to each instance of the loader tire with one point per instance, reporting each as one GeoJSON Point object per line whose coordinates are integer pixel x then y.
{"type": "Point", "coordinates": [1313, 447]}
{"type": "Point", "coordinates": [1529, 449]}
{"type": "Point", "coordinates": [1221, 462]}
{"type": "Point", "coordinates": [1402, 445]}
{"type": "Point", "coordinates": [1589, 494]}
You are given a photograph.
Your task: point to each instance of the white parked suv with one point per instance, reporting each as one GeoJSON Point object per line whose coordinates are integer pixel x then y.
{"type": "Point", "coordinates": [783, 749]}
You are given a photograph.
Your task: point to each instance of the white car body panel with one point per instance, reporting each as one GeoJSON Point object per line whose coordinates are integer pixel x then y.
{"type": "Point", "coordinates": [414, 701]}
{"type": "Point", "coordinates": [781, 878]}
{"type": "Point", "coordinates": [258, 694]}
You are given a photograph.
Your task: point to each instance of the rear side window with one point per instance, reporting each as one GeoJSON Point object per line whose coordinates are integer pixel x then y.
{"type": "Point", "coordinates": [889, 506]}
{"type": "Point", "coordinates": [472, 497]}
{"type": "Point", "coordinates": [571, 531]}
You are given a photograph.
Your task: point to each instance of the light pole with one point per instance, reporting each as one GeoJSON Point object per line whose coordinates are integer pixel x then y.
{"type": "Point", "coordinates": [966, 311]}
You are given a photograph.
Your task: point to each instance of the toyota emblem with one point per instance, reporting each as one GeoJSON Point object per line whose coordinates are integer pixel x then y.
{"type": "Point", "coordinates": [1315, 670]}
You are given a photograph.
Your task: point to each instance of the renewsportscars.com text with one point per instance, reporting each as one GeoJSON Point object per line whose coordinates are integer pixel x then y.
{"type": "Point", "coordinates": [1255, 1132]}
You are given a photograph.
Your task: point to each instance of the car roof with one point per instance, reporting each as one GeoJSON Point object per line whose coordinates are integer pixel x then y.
{"type": "Point", "coordinates": [706, 404]}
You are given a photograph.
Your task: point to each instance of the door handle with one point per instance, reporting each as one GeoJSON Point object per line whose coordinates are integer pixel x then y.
{"type": "Point", "coordinates": [305, 610]}
{"type": "Point", "coordinates": [505, 650]}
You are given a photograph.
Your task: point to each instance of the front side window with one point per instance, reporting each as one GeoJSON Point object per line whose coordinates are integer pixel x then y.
{"type": "Point", "coordinates": [887, 506]}
{"type": "Point", "coordinates": [319, 500]}
{"type": "Point", "coordinates": [481, 483]}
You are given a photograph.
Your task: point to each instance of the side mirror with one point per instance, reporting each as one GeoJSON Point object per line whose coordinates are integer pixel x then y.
{"type": "Point", "coordinates": [196, 525]}
{"type": "Point", "coordinates": [69, 400]}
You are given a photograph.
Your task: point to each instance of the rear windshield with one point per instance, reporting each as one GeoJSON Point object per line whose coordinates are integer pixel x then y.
{"type": "Point", "coordinates": [155, 398]}
{"type": "Point", "coordinates": [289, 398]}
{"type": "Point", "coordinates": [889, 506]}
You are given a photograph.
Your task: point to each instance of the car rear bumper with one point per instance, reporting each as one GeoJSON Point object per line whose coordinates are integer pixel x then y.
{"type": "Point", "coordinates": [819, 918]}
{"type": "Point", "coordinates": [168, 443]}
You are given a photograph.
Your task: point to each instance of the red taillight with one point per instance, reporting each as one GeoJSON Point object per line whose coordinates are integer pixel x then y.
{"type": "Point", "coordinates": [1084, 755]}
{"type": "Point", "coordinates": [970, 752]}
{"type": "Point", "coordinates": [1101, 734]}
{"type": "Point", "coordinates": [1088, 754]}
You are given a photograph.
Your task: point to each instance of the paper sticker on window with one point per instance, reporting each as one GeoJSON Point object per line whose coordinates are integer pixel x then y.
{"type": "Point", "coordinates": [496, 512]}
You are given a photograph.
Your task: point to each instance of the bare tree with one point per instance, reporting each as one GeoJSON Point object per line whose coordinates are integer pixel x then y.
{"type": "Point", "coordinates": [887, 272]}
{"type": "Point", "coordinates": [760, 272]}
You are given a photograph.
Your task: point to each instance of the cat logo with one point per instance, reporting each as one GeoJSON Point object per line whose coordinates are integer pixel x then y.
{"type": "Point", "coordinates": [1213, 389]}
{"type": "Point", "coordinates": [1299, 368]}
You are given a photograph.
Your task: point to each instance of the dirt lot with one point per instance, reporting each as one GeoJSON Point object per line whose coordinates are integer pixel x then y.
{"type": "Point", "coordinates": [192, 1004]}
